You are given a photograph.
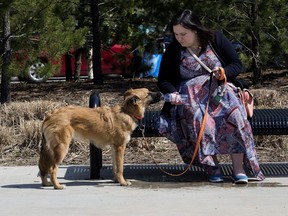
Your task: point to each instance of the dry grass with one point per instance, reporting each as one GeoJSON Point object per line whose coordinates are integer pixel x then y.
{"type": "Point", "coordinates": [20, 131]}
{"type": "Point", "coordinates": [269, 98]}
{"type": "Point", "coordinates": [20, 124]}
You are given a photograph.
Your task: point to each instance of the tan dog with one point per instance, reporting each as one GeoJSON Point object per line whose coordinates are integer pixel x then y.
{"type": "Point", "coordinates": [102, 126]}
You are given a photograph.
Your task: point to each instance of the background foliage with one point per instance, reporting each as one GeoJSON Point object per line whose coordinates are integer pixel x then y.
{"type": "Point", "coordinates": [54, 27]}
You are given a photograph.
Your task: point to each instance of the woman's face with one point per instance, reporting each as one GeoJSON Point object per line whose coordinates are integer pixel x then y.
{"type": "Point", "coordinates": [186, 37]}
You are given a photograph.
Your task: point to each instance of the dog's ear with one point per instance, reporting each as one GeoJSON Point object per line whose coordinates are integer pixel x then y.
{"type": "Point", "coordinates": [134, 99]}
{"type": "Point", "coordinates": [127, 93]}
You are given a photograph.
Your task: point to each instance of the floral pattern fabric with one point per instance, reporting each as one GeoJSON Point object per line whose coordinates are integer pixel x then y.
{"type": "Point", "coordinates": [227, 129]}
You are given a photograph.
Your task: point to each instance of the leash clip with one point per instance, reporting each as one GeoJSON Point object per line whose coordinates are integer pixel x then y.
{"type": "Point", "coordinates": [141, 127]}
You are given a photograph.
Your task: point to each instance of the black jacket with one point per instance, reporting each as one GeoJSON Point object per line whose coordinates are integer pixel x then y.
{"type": "Point", "coordinates": [169, 74]}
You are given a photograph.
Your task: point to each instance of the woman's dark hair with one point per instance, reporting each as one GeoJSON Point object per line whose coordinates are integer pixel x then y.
{"type": "Point", "coordinates": [190, 20]}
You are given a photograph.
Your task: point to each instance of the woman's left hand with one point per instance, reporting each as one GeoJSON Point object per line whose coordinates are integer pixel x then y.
{"type": "Point", "coordinates": [219, 73]}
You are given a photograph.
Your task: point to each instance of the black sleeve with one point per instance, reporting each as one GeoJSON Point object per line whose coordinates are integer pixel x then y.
{"type": "Point", "coordinates": [228, 56]}
{"type": "Point", "coordinates": [169, 77]}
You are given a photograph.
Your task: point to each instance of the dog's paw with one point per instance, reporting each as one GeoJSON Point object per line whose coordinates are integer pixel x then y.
{"type": "Point", "coordinates": [126, 183]}
{"type": "Point", "coordinates": [47, 184]}
{"type": "Point", "coordinates": [60, 187]}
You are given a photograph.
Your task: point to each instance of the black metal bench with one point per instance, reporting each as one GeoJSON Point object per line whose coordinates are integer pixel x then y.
{"type": "Point", "coordinates": [263, 122]}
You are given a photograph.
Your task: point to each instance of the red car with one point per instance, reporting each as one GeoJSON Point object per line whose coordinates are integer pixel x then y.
{"type": "Point", "coordinates": [115, 60]}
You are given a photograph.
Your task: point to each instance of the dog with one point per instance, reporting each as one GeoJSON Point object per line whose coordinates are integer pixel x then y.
{"type": "Point", "coordinates": [101, 125]}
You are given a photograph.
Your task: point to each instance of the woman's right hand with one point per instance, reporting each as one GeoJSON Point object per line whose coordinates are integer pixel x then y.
{"type": "Point", "coordinates": [176, 98]}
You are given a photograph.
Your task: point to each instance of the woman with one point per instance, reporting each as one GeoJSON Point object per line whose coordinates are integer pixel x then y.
{"type": "Point", "coordinates": [227, 130]}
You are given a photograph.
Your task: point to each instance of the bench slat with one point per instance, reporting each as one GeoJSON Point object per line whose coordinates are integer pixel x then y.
{"type": "Point", "coordinates": [263, 122]}
{"type": "Point", "coordinates": [270, 122]}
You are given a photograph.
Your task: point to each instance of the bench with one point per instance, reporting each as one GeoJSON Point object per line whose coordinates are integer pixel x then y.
{"type": "Point", "coordinates": [263, 122]}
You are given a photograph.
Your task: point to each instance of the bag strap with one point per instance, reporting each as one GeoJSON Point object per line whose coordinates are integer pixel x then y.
{"type": "Point", "coordinates": [224, 78]}
{"type": "Point", "coordinates": [199, 60]}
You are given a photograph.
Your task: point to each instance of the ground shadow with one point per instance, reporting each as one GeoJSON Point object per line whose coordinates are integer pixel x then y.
{"type": "Point", "coordinates": [150, 176]}
{"type": "Point", "coordinates": [22, 186]}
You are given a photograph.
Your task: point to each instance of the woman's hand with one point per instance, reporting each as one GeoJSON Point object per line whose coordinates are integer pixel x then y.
{"type": "Point", "coordinates": [176, 98]}
{"type": "Point", "coordinates": [219, 73]}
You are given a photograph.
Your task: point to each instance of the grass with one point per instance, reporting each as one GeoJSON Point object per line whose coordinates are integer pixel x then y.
{"type": "Point", "coordinates": [20, 123]}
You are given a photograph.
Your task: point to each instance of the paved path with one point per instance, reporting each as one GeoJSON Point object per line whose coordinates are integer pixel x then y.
{"type": "Point", "coordinates": [22, 194]}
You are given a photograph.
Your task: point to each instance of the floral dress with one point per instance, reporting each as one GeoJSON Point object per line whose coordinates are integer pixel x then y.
{"type": "Point", "coordinates": [227, 129]}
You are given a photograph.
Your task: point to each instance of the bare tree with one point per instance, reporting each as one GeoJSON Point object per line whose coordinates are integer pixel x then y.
{"type": "Point", "coordinates": [6, 50]}
{"type": "Point", "coordinates": [255, 41]}
{"type": "Point", "coordinates": [96, 58]}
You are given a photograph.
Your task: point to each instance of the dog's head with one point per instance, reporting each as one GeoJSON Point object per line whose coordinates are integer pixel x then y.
{"type": "Point", "coordinates": [137, 100]}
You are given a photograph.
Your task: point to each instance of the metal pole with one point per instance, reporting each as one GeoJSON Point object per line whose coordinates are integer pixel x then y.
{"type": "Point", "coordinates": [95, 153]}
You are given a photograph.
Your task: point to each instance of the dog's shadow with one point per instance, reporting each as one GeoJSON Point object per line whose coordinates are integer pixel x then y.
{"type": "Point", "coordinates": [21, 186]}
{"type": "Point", "coordinates": [140, 175]}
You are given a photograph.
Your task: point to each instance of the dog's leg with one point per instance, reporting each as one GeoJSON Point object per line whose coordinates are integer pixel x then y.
{"type": "Point", "coordinates": [54, 180]}
{"type": "Point", "coordinates": [118, 162]}
{"type": "Point", "coordinates": [114, 167]}
{"type": "Point", "coordinates": [45, 182]}
{"type": "Point", "coordinates": [44, 163]}
{"type": "Point", "coordinates": [44, 176]}
{"type": "Point", "coordinates": [43, 171]}
{"type": "Point", "coordinates": [61, 144]}
{"type": "Point", "coordinates": [59, 153]}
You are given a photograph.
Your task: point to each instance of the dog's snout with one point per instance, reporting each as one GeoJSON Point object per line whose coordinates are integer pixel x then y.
{"type": "Point", "coordinates": [156, 97]}
{"type": "Point", "coordinates": [159, 96]}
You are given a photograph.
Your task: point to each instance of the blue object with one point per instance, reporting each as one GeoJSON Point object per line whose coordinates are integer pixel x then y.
{"type": "Point", "coordinates": [240, 179]}
{"type": "Point", "coordinates": [154, 61]}
{"type": "Point", "coordinates": [218, 178]}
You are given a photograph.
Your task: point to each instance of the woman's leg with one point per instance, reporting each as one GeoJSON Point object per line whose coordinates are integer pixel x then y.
{"type": "Point", "coordinates": [213, 170]}
{"type": "Point", "coordinates": [237, 163]}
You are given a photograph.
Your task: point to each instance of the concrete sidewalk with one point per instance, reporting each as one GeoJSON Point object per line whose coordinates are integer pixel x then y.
{"type": "Point", "coordinates": [21, 194]}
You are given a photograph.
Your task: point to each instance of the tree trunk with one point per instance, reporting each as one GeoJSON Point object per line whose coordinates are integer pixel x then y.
{"type": "Point", "coordinates": [78, 63]}
{"type": "Point", "coordinates": [68, 68]}
{"type": "Point", "coordinates": [256, 64]}
{"type": "Point", "coordinates": [96, 58]}
{"type": "Point", "coordinates": [90, 64]}
{"type": "Point", "coordinates": [6, 50]}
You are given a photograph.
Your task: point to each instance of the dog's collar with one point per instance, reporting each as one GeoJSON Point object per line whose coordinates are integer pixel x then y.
{"type": "Point", "coordinates": [139, 122]}
{"type": "Point", "coordinates": [138, 117]}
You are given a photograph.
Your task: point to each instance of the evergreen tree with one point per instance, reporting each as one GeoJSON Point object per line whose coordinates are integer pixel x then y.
{"type": "Point", "coordinates": [6, 57]}
{"type": "Point", "coordinates": [40, 28]}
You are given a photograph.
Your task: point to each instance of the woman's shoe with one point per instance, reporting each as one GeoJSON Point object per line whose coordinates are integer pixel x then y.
{"type": "Point", "coordinates": [240, 179]}
{"type": "Point", "coordinates": [217, 178]}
